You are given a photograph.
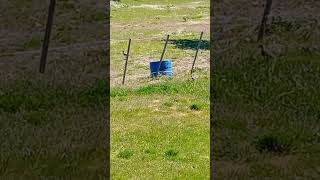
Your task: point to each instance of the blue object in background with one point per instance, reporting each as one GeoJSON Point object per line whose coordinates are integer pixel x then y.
{"type": "Point", "coordinates": [165, 68]}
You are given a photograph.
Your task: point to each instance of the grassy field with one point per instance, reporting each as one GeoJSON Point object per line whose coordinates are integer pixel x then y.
{"type": "Point", "coordinates": [53, 125]}
{"type": "Point", "coordinates": [266, 123]}
{"type": "Point", "coordinates": [273, 128]}
{"type": "Point", "coordinates": [159, 128]}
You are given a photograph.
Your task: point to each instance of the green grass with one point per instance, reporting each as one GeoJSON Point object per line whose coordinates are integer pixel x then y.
{"type": "Point", "coordinates": [144, 14]}
{"type": "Point", "coordinates": [14, 97]}
{"type": "Point", "coordinates": [34, 42]}
{"type": "Point", "coordinates": [268, 114]}
{"type": "Point", "coordinates": [150, 136]}
{"type": "Point", "coordinates": [72, 147]}
{"type": "Point", "coordinates": [159, 130]}
{"type": "Point", "coordinates": [165, 2]}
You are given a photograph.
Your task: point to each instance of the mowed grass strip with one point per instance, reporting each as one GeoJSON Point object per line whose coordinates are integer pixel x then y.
{"type": "Point", "coordinates": [155, 132]}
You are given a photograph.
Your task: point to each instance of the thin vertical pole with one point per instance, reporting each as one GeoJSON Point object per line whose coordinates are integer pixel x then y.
{"type": "Point", "coordinates": [126, 63]}
{"type": "Point", "coordinates": [45, 46]}
{"type": "Point", "coordinates": [266, 13]}
{"type": "Point", "coordinates": [164, 50]}
{"type": "Point", "coordinates": [195, 57]}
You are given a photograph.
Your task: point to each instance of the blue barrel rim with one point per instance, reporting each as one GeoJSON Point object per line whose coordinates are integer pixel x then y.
{"type": "Point", "coordinates": [158, 61]}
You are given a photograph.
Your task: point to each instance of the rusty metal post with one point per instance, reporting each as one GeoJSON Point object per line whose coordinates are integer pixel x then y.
{"type": "Point", "coordinates": [164, 50]}
{"type": "Point", "coordinates": [266, 13]}
{"type": "Point", "coordinates": [46, 41]}
{"type": "Point", "coordinates": [126, 63]}
{"type": "Point", "coordinates": [195, 57]}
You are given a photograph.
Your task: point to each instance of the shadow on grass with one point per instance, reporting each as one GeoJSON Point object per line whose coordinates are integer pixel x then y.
{"type": "Point", "coordinates": [190, 43]}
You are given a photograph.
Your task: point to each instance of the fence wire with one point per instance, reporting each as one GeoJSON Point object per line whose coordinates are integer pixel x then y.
{"type": "Point", "coordinates": [93, 44]}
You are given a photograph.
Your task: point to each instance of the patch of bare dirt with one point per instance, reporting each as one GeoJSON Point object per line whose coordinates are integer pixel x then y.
{"type": "Point", "coordinates": [180, 66]}
{"type": "Point", "coordinates": [191, 5]}
{"type": "Point", "coordinates": [173, 26]}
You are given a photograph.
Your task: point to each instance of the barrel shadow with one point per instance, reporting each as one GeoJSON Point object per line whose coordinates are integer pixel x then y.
{"type": "Point", "coordinates": [189, 44]}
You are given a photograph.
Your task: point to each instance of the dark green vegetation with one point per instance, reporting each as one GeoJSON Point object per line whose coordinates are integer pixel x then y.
{"type": "Point", "coordinates": [270, 107]}
{"type": "Point", "coordinates": [268, 122]}
{"type": "Point", "coordinates": [46, 131]}
{"type": "Point", "coordinates": [14, 97]}
{"type": "Point", "coordinates": [265, 110]}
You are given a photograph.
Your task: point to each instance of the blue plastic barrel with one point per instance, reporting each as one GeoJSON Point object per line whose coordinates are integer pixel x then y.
{"type": "Point", "coordinates": [165, 68]}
